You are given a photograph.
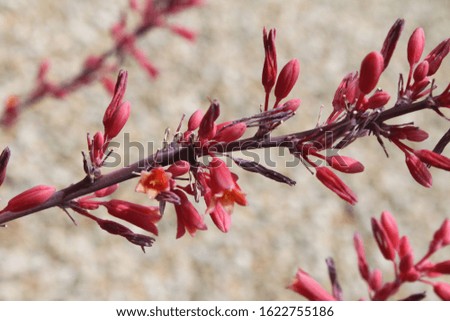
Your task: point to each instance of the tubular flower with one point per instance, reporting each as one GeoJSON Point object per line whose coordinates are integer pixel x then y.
{"type": "Point", "coordinates": [223, 194]}
{"type": "Point", "coordinates": [154, 182]}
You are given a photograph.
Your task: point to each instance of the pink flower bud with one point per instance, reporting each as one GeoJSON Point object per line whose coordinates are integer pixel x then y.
{"type": "Point", "coordinates": [179, 168]}
{"type": "Point", "coordinates": [118, 119]}
{"type": "Point", "coordinates": [195, 120]}
{"type": "Point", "coordinates": [442, 290]}
{"type": "Point", "coordinates": [334, 183]}
{"type": "Point", "coordinates": [418, 170]}
{"type": "Point", "coordinates": [360, 252]}
{"type": "Point", "coordinates": [306, 286]}
{"type": "Point", "coordinates": [421, 71]}
{"type": "Point", "coordinates": [145, 63]}
{"type": "Point", "coordinates": [383, 241]}
{"type": "Point", "coordinates": [416, 44]}
{"type": "Point", "coordinates": [441, 237]}
{"type": "Point", "coordinates": [269, 74]}
{"type": "Point", "coordinates": [377, 100]}
{"type": "Point", "coordinates": [287, 79]}
{"type": "Point", "coordinates": [144, 217]}
{"type": "Point", "coordinates": [404, 247]}
{"type": "Point", "coordinates": [230, 133]}
{"type": "Point", "coordinates": [390, 227]}
{"type": "Point", "coordinates": [375, 280]}
{"type": "Point", "coordinates": [4, 159]}
{"type": "Point", "coordinates": [436, 56]}
{"type": "Point", "coordinates": [345, 164]}
{"type": "Point", "coordinates": [370, 71]}
{"type": "Point", "coordinates": [30, 198]}
{"type": "Point", "coordinates": [207, 128]}
{"type": "Point", "coordinates": [433, 159]}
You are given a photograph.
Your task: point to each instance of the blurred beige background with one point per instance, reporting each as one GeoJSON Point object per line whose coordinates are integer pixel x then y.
{"type": "Point", "coordinates": [44, 257]}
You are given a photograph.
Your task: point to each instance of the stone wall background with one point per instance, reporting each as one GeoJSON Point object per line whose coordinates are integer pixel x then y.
{"type": "Point", "coordinates": [44, 257]}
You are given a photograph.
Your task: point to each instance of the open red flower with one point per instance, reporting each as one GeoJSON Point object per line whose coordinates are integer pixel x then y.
{"type": "Point", "coordinates": [154, 182]}
{"type": "Point", "coordinates": [223, 194]}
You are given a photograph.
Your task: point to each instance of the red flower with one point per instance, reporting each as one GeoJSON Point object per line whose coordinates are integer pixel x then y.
{"type": "Point", "coordinates": [224, 193]}
{"type": "Point", "coordinates": [154, 182]}
{"type": "Point", "coordinates": [418, 170]}
{"type": "Point", "coordinates": [187, 216]}
{"type": "Point", "coordinates": [142, 216]}
{"type": "Point", "coordinates": [416, 44]}
{"type": "Point", "coordinates": [30, 198]}
{"type": "Point", "coordinates": [334, 183]}
{"type": "Point", "coordinates": [306, 286]}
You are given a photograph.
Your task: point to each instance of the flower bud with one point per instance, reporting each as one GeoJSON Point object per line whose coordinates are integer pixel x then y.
{"type": "Point", "coordinates": [383, 241]}
{"type": "Point", "coordinates": [421, 71]}
{"type": "Point", "coordinates": [418, 170]}
{"type": "Point", "coordinates": [30, 198]}
{"type": "Point", "coordinates": [334, 183]}
{"type": "Point", "coordinates": [436, 56]}
{"type": "Point", "coordinates": [117, 121]}
{"type": "Point", "coordinates": [416, 44]}
{"type": "Point", "coordinates": [370, 71]}
{"type": "Point", "coordinates": [269, 73]}
{"type": "Point", "coordinates": [291, 105]}
{"type": "Point", "coordinates": [230, 133]}
{"type": "Point", "coordinates": [442, 290]}
{"type": "Point", "coordinates": [391, 40]}
{"type": "Point", "coordinates": [377, 100]}
{"type": "Point", "coordinates": [306, 286]}
{"type": "Point", "coordinates": [195, 119]}
{"type": "Point", "coordinates": [207, 128]}
{"type": "Point", "coordinates": [106, 191]}
{"type": "Point", "coordinates": [411, 133]}
{"type": "Point", "coordinates": [390, 227]}
{"type": "Point", "coordinates": [287, 79]}
{"type": "Point", "coordinates": [179, 168]}
{"type": "Point", "coordinates": [345, 164]}
{"type": "Point", "coordinates": [144, 217]}
{"type": "Point", "coordinates": [433, 159]}
{"type": "Point", "coordinates": [361, 253]}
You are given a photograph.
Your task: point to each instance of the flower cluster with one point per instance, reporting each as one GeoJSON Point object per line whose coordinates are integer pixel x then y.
{"type": "Point", "coordinates": [191, 167]}
{"type": "Point", "coordinates": [394, 248]}
{"type": "Point", "coordinates": [150, 14]}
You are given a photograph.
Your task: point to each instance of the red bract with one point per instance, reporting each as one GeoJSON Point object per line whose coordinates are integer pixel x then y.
{"type": "Point", "coordinates": [370, 71]}
{"type": "Point", "coordinates": [416, 44]}
{"type": "Point", "coordinates": [306, 286]}
{"type": "Point", "coordinates": [334, 183]}
{"type": "Point", "coordinates": [144, 217]}
{"type": "Point", "coordinates": [30, 198]}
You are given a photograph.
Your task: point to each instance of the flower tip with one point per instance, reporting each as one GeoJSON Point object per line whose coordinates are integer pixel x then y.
{"type": "Point", "coordinates": [416, 45]}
